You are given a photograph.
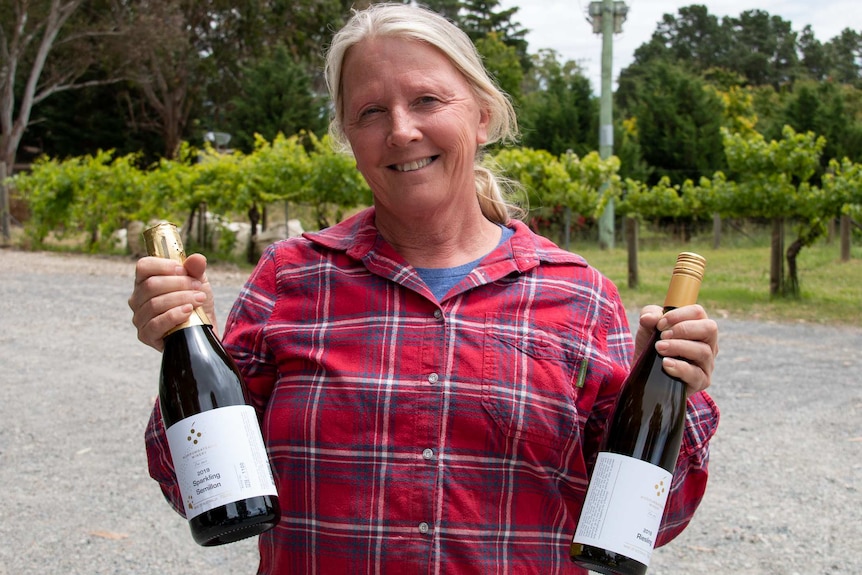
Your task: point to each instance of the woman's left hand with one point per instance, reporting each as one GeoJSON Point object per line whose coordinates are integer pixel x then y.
{"type": "Point", "coordinates": [687, 334]}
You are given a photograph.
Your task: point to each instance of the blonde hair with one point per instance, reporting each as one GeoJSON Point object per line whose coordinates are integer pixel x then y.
{"type": "Point", "coordinates": [422, 25]}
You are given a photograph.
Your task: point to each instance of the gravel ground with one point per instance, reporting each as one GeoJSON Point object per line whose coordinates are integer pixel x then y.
{"type": "Point", "coordinates": [76, 388]}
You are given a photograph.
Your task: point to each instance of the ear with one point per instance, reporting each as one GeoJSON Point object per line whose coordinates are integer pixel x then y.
{"type": "Point", "coordinates": [482, 128]}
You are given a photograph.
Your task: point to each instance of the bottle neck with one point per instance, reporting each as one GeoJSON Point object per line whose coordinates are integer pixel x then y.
{"type": "Point", "coordinates": [683, 290]}
{"type": "Point", "coordinates": [198, 317]}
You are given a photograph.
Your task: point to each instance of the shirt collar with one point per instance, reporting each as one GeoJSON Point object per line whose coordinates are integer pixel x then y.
{"type": "Point", "coordinates": [358, 237]}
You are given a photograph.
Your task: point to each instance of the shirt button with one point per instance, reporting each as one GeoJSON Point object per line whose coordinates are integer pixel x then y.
{"type": "Point", "coordinates": [428, 453]}
{"type": "Point", "coordinates": [438, 314]}
{"type": "Point", "coordinates": [423, 528]}
{"type": "Point", "coordinates": [433, 378]}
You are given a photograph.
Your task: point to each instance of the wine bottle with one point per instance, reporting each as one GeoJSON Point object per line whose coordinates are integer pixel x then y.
{"type": "Point", "coordinates": [630, 482]}
{"type": "Point", "coordinates": [219, 457]}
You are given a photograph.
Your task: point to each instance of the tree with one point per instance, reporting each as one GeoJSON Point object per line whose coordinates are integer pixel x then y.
{"type": "Point", "coordinates": [773, 181]}
{"type": "Point", "coordinates": [763, 48]}
{"type": "Point", "coordinates": [164, 50]}
{"type": "Point", "coordinates": [448, 8]}
{"type": "Point", "coordinates": [845, 55]}
{"type": "Point", "coordinates": [678, 120]}
{"type": "Point", "coordinates": [32, 69]}
{"type": "Point", "coordinates": [560, 185]}
{"type": "Point", "coordinates": [503, 64]}
{"type": "Point", "coordinates": [482, 17]}
{"type": "Point", "coordinates": [814, 56]}
{"type": "Point", "coordinates": [187, 58]}
{"type": "Point", "coordinates": [275, 96]}
{"type": "Point", "coordinates": [80, 122]}
{"type": "Point", "coordinates": [826, 109]}
{"type": "Point", "coordinates": [694, 37]}
{"type": "Point", "coordinates": [559, 112]}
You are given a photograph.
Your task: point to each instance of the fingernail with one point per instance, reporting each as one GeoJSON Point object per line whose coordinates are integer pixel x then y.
{"type": "Point", "coordinates": [180, 271]}
{"type": "Point", "coordinates": [196, 284]}
{"type": "Point", "coordinates": [662, 346]}
{"type": "Point", "coordinates": [668, 363]}
{"type": "Point", "coordinates": [200, 297]}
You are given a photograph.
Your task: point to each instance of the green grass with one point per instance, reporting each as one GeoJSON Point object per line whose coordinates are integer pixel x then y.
{"type": "Point", "coordinates": [736, 284]}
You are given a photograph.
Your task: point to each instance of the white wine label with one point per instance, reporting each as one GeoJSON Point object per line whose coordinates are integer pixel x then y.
{"type": "Point", "coordinates": [219, 458]}
{"type": "Point", "coordinates": [624, 505]}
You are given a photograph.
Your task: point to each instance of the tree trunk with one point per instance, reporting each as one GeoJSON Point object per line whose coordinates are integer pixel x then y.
{"type": "Point", "coordinates": [202, 227]}
{"type": "Point", "coordinates": [186, 233]}
{"type": "Point", "coordinates": [5, 219]}
{"type": "Point", "coordinates": [632, 227]}
{"type": "Point", "coordinates": [791, 287]}
{"type": "Point", "coordinates": [253, 217]}
{"type": "Point", "coordinates": [716, 231]}
{"type": "Point", "coordinates": [776, 258]}
{"type": "Point", "coordinates": [14, 118]}
{"type": "Point", "coordinates": [845, 238]}
{"type": "Point", "coordinates": [806, 237]}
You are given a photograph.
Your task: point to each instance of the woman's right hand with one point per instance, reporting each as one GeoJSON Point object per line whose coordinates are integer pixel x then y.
{"type": "Point", "coordinates": [165, 294]}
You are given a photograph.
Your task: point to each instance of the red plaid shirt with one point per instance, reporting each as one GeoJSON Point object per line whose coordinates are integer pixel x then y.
{"type": "Point", "coordinates": [411, 436]}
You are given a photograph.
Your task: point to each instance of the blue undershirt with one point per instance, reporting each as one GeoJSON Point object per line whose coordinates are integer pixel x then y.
{"type": "Point", "coordinates": [441, 280]}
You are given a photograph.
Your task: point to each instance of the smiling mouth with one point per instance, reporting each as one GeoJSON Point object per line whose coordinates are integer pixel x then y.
{"type": "Point", "coordinates": [413, 166]}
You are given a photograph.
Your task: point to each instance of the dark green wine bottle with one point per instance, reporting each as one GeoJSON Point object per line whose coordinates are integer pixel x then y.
{"type": "Point", "coordinates": [631, 480]}
{"type": "Point", "coordinates": [219, 457]}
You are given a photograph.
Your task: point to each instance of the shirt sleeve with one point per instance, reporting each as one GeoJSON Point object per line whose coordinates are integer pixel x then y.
{"type": "Point", "coordinates": [690, 475]}
{"type": "Point", "coordinates": [244, 336]}
{"type": "Point", "coordinates": [161, 465]}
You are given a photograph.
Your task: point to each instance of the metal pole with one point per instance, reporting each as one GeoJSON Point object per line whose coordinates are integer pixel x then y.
{"type": "Point", "coordinates": [606, 125]}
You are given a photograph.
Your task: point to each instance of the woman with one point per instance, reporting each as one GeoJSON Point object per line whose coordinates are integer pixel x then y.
{"type": "Point", "coordinates": [415, 366]}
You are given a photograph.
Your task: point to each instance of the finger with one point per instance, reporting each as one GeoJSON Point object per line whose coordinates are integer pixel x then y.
{"type": "Point", "coordinates": [146, 291]}
{"type": "Point", "coordinates": [153, 332]}
{"type": "Point", "coordinates": [692, 351]}
{"type": "Point", "coordinates": [695, 378]}
{"type": "Point", "coordinates": [147, 285]}
{"type": "Point", "coordinates": [701, 330]}
{"type": "Point", "coordinates": [153, 326]}
{"type": "Point", "coordinates": [196, 266]}
{"type": "Point", "coordinates": [649, 316]}
{"type": "Point", "coordinates": [691, 361]}
{"type": "Point", "coordinates": [159, 305]}
{"type": "Point", "coordinates": [697, 329]}
{"type": "Point", "coordinates": [646, 327]}
{"type": "Point", "coordinates": [149, 266]}
{"type": "Point", "coordinates": [681, 314]}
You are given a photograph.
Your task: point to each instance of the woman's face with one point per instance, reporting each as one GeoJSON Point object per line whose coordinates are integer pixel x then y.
{"type": "Point", "coordinates": [413, 123]}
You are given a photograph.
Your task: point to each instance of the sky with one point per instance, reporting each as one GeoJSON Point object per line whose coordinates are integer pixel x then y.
{"type": "Point", "coordinates": [562, 24]}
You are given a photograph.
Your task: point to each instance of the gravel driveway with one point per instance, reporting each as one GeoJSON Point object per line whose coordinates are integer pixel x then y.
{"type": "Point", "coordinates": [76, 388]}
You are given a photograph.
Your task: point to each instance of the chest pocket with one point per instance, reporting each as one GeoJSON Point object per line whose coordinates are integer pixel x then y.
{"type": "Point", "coordinates": [529, 380]}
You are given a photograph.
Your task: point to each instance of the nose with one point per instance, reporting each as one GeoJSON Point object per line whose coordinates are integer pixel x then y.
{"type": "Point", "coordinates": [403, 128]}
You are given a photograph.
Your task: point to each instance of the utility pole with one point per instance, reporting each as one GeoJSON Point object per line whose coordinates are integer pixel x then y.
{"type": "Point", "coordinates": [607, 17]}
